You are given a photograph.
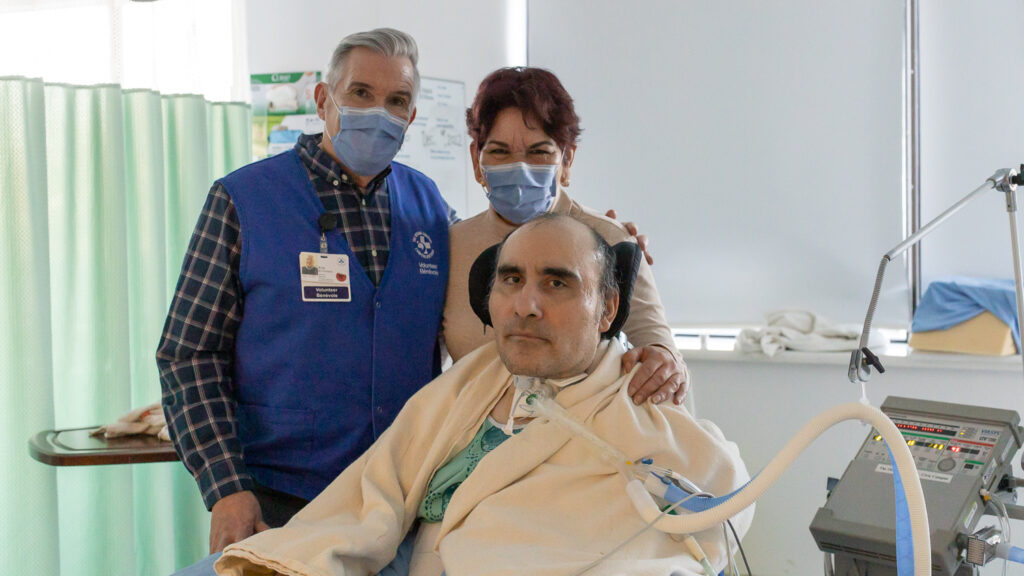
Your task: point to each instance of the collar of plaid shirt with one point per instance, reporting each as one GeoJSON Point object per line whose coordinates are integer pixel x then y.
{"type": "Point", "coordinates": [321, 164]}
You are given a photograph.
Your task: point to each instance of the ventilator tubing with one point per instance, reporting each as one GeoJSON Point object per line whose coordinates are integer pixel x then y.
{"type": "Point", "coordinates": [545, 405]}
{"type": "Point", "coordinates": [1011, 553]}
{"type": "Point", "coordinates": [902, 458]}
{"type": "Point", "coordinates": [910, 505]}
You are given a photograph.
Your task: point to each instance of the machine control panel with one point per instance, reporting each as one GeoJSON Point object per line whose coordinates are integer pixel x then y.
{"type": "Point", "coordinates": [942, 446]}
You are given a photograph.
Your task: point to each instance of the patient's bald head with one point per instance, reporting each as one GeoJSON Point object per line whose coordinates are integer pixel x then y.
{"type": "Point", "coordinates": [554, 293]}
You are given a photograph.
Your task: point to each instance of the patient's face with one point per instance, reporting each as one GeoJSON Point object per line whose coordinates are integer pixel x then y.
{"type": "Point", "coordinates": [545, 304]}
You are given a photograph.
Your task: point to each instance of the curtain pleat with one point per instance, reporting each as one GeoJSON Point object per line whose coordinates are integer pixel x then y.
{"type": "Point", "coordinates": [187, 178]}
{"type": "Point", "coordinates": [230, 128]}
{"type": "Point", "coordinates": [160, 491]}
{"type": "Point", "coordinates": [101, 189]}
{"type": "Point", "coordinates": [89, 312]}
{"type": "Point", "coordinates": [28, 507]}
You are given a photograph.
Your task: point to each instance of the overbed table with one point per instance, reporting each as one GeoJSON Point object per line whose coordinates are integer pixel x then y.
{"type": "Point", "coordinates": [74, 447]}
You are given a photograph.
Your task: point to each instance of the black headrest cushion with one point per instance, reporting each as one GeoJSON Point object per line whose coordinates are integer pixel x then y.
{"type": "Point", "coordinates": [627, 263]}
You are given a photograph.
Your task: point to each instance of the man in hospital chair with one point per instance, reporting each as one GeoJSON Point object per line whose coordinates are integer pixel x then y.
{"type": "Point", "coordinates": [492, 491]}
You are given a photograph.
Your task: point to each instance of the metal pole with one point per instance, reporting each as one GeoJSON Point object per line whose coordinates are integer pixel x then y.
{"type": "Point", "coordinates": [912, 150]}
{"type": "Point", "coordinates": [1011, 209]}
{"type": "Point", "coordinates": [914, 238]}
{"type": "Point", "coordinates": [1017, 277]}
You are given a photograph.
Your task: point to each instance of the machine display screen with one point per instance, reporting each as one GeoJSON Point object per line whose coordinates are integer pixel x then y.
{"type": "Point", "coordinates": [928, 429]}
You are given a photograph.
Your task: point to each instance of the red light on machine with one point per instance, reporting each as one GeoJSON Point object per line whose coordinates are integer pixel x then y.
{"type": "Point", "coordinates": [954, 448]}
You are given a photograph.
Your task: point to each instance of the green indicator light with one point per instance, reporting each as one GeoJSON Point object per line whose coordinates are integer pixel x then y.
{"type": "Point", "coordinates": [924, 436]}
{"type": "Point", "coordinates": [975, 462]}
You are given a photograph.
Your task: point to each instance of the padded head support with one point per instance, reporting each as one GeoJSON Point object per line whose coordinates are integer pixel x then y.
{"type": "Point", "coordinates": [627, 263]}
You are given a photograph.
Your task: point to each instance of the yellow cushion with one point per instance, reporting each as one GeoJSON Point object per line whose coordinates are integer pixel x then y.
{"type": "Point", "coordinates": [984, 334]}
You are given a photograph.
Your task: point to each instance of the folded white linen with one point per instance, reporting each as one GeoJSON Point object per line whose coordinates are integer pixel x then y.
{"type": "Point", "coordinates": [803, 331]}
{"type": "Point", "coordinates": [148, 420]}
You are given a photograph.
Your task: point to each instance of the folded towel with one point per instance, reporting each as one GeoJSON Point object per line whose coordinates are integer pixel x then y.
{"type": "Point", "coordinates": [956, 299]}
{"type": "Point", "coordinates": [148, 420]}
{"type": "Point", "coordinates": [803, 331]}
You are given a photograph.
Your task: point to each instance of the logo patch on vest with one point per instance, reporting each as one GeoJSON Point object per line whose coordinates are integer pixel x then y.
{"type": "Point", "coordinates": [424, 245]}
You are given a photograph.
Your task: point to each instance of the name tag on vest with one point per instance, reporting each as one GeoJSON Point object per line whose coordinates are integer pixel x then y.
{"type": "Point", "coordinates": [324, 277]}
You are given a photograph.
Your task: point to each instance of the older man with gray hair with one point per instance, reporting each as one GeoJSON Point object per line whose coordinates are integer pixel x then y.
{"type": "Point", "coordinates": [274, 381]}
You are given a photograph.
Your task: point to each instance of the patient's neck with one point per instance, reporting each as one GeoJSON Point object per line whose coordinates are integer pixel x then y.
{"type": "Point", "coordinates": [602, 349]}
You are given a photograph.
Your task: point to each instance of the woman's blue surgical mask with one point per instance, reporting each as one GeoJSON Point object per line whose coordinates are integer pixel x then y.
{"type": "Point", "coordinates": [520, 192]}
{"type": "Point", "coordinates": [367, 138]}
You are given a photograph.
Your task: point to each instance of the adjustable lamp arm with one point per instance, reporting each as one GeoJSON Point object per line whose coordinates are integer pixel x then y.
{"type": "Point", "coordinates": [1004, 180]}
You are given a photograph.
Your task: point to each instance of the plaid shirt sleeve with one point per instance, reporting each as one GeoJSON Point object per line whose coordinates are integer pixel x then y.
{"type": "Point", "coordinates": [196, 352]}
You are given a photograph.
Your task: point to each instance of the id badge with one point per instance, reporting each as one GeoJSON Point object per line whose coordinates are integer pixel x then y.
{"type": "Point", "coordinates": [324, 277]}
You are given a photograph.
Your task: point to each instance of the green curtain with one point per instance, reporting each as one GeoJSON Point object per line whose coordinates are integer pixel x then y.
{"type": "Point", "coordinates": [28, 506]}
{"type": "Point", "coordinates": [106, 186]}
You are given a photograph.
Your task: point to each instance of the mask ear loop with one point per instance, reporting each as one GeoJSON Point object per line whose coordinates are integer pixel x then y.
{"type": "Point", "coordinates": [330, 94]}
{"type": "Point", "coordinates": [563, 166]}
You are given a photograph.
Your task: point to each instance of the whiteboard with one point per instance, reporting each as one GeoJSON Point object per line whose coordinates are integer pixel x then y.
{"type": "Point", "coordinates": [436, 142]}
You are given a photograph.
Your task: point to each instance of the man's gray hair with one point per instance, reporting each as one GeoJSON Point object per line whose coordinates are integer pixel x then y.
{"type": "Point", "coordinates": [387, 41]}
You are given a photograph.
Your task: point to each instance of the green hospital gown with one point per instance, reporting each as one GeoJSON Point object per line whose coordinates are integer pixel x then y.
{"type": "Point", "coordinates": [449, 477]}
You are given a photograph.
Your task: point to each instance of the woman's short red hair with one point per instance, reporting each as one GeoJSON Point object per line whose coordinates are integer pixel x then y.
{"type": "Point", "coordinates": [536, 92]}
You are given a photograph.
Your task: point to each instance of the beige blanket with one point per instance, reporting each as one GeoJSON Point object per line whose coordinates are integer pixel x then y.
{"type": "Point", "coordinates": [542, 503]}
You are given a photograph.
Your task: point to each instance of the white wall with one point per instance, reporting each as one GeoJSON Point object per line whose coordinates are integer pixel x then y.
{"type": "Point", "coordinates": [760, 404]}
{"type": "Point", "coordinates": [972, 122]}
{"type": "Point", "coordinates": [757, 143]}
{"type": "Point", "coordinates": [458, 40]}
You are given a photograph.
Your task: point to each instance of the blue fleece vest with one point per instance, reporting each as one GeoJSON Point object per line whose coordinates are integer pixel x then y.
{"type": "Point", "coordinates": [317, 383]}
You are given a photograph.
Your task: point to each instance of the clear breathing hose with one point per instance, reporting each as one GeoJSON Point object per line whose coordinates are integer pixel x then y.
{"type": "Point", "coordinates": [541, 400]}
{"type": "Point", "coordinates": [1004, 521]}
{"type": "Point", "coordinates": [543, 403]}
{"type": "Point", "coordinates": [638, 533]}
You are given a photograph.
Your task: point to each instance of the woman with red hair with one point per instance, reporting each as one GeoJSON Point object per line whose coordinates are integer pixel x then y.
{"type": "Point", "coordinates": [524, 131]}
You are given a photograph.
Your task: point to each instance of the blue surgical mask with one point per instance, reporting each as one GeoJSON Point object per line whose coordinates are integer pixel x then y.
{"type": "Point", "coordinates": [367, 138]}
{"type": "Point", "coordinates": [520, 192]}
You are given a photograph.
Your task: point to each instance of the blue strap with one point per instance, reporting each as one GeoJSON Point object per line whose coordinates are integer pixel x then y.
{"type": "Point", "coordinates": [904, 542]}
{"type": "Point", "coordinates": [674, 494]}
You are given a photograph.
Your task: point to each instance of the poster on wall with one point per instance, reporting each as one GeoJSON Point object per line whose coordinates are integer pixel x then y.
{"type": "Point", "coordinates": [436, 142]}
{"type": "Point", "coordinates": [283, 108]}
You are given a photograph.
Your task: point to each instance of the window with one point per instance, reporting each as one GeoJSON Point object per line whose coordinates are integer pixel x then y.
{"type": "Point", "coordinates": [172, 46]}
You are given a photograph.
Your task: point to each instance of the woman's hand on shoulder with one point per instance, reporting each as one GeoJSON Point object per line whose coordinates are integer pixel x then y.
{"type": "Point", "coordinates": [659, 378]}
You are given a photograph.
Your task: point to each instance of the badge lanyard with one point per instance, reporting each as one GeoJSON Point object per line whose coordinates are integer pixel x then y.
{"type": "Point", "coordinates": [327, 223]}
